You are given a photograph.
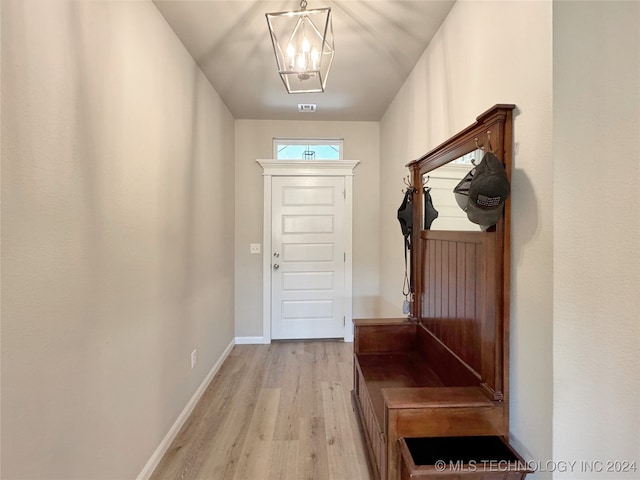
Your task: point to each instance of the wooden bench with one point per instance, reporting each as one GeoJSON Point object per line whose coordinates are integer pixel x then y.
{"type": "Point", "coordinates": [398, 393]}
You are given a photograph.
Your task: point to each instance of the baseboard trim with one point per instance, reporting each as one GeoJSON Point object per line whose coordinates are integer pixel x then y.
{"type": "Point", "coordinates": [251, 340]}
{"type": "Point", "coordinates": [153, 462]}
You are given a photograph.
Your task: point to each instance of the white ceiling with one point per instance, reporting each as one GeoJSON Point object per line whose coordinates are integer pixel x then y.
{"type": "Point", "coordinates": [377, 44]}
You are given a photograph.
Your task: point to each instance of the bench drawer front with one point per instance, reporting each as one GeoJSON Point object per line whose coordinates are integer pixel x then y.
{"type": "Point", "coordinates": [449, 421]}
{"type": "Point", "coordinates": [373, 430]}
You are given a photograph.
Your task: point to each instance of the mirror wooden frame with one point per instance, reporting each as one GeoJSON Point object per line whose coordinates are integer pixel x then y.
{"type": "Point", "coordinates": [489, 355]}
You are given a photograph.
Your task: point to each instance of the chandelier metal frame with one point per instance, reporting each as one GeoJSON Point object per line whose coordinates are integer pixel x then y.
{"type": "Point", "coordinates": [303, 45]}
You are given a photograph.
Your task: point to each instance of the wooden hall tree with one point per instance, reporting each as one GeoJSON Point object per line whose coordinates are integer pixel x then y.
{"type": "Point", "coordinates": [443, 371]}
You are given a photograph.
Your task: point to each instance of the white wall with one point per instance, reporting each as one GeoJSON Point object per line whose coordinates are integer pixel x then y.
{"type": "Point", "coordinates": [487, 53]}
{"type": "Point", "coordinates": [117, 235]}
{"type": "Point", "coordinates": [596, 335]}
{"type": "Point", "coordinates": [254, 140]}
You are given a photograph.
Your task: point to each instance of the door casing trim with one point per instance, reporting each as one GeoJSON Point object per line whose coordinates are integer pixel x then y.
{"type": "Point", "coordinates": [305, 168]}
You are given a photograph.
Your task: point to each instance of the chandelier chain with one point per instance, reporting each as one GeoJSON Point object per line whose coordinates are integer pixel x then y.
{"type": "Point", "coordinates": [303, 4]}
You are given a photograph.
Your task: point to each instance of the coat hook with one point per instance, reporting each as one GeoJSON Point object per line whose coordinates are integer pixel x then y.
{"type": "Point", "coordinates": [481, 146]}
{"type": "Point", "coordinates": [424, 182]}
{"type": "Point", "coordinates": [407, 181]}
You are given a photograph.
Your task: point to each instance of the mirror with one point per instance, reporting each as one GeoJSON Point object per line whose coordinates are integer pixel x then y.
{"type": "Point", "coordinates": [441, 182]}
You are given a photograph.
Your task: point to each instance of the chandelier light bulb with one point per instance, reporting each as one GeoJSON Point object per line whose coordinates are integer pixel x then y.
{"type": "Point", "coordinates": [291, 56]}
{"type": "Point", "coordinates": [302, 62]}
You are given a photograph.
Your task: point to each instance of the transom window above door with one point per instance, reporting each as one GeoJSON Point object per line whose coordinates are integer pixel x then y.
{"type": "Point", "coordinates": [307, 148]}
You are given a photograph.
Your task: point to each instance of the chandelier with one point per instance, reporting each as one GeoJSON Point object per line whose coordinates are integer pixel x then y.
{"type": "Point", "coordinates": [303, 45]}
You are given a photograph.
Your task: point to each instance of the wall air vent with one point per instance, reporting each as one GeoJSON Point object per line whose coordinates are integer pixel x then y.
{"type": "Point", "coordinates": [307, 107]}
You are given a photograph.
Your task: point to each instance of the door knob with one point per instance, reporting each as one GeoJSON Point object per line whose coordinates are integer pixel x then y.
{"type": "Point", "coordinates": [276, 266]}
{"type": "Point", "coordinates": [276, 254]}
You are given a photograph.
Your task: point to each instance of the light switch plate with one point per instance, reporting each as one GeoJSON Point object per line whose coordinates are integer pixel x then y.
{"type": "Point", "coordinates": [254, 248]}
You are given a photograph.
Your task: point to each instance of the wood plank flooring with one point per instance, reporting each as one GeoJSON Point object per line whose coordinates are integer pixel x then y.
{"type": "Point", "coordinates": [273, 412]}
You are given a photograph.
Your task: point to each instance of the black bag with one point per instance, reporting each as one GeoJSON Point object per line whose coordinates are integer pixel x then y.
{"type": "Point", "coordinates": [405, 217]}
{"type": "Point", "coordinates": [430, 213]}
{"type": "Point", "coordinates": [405, 213]}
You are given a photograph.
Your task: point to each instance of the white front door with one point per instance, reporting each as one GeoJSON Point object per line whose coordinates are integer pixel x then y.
{"type": "Point", "coordinates": [308, 257]}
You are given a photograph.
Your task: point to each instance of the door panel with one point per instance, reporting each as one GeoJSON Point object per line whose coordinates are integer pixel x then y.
{"type": "Point", "coordinates": [311, 195]}
{"type": "Point", "coordinates": [308, 286]}
{"type": "Point", "coordinates": [312, 224]}
{"type": "Point", "coordinates": [310, 252]}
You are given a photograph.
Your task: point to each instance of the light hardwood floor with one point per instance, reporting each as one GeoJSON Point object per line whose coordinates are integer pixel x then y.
{"type": "Point", "coordinates": [273, 412]}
